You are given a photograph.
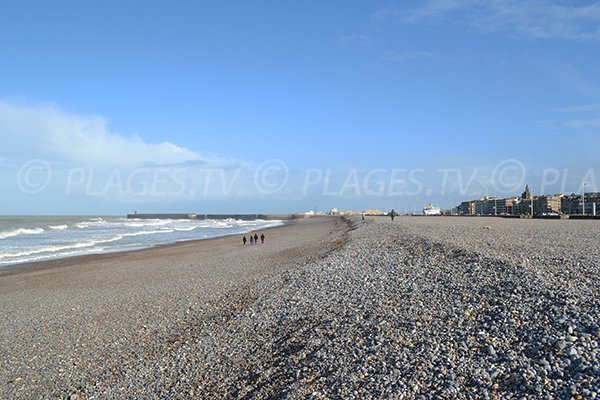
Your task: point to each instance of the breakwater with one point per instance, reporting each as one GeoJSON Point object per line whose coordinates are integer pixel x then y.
{"type": "Point", "coordinates": [194, 216]}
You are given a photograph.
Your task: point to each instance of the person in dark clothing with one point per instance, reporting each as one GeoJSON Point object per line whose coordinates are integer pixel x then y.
{"type": "Point", "coordinates": [244, 240]}
{"type": "Point", "coordinates": [392, 214]}
{"type": "Point", "coordinates": [255, 238]}
{"type": "Point", "coordinates": [251, 239]}
{"type": "Point", "coordinates": [262, 238]}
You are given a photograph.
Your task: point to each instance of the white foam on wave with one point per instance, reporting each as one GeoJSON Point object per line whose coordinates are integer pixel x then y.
{"type": "Point", "coordinates": [95, 222]}
{"type": "Point", "coordinates": [57, 248]}
{"type": "Point", "coordinates": [148, 232]}
{"type": "Point", "coordinates": [140, 223]}
{"type": "Point", "coordinates": [185, 228]}
{"type": "Point", "coordinates": [44, 249]}
{"type": "Point", "coordinates": [57, 255]}
{"type": "Point", "coordinates": [225, 223]}
{"type": "Point", "coordinates": [100, 235]}
{"type": "Point", "coordinates": [58, 227]}
{"type": "Point", "coordinates": [53, 249]}
{"type": "Point", "coordinates": [21, 231]}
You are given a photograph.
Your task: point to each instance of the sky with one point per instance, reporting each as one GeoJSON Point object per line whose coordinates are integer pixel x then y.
{"type": "Point", "coordinates": [279, 106]}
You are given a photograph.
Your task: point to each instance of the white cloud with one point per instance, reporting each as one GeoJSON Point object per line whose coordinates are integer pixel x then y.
{"type": "Point", "coordinates": [534, 18]}
{"type": "Point", "coordinates": [46, 132]}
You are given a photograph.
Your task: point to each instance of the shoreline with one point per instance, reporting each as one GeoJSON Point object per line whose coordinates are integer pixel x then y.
{"type": "Point", "coordinates": [68, 325]}
{"type": "Point", "coordinates": [10, 269]}
{"type": "Point", "coordinates": [327, 308]}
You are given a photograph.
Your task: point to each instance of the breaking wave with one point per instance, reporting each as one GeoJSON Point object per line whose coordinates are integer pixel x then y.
{"type": "Point", "coordinates": [21, 231]}
{"type": "Point", "coordinates": [62, 237]}
{"type": "Point", "coordinates": [58, 227]}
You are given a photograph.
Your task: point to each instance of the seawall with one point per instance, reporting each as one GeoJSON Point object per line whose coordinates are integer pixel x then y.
{"type": "Point", "coordinates": [194, 216]}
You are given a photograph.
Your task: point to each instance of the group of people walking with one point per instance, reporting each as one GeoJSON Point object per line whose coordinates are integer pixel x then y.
{"type": "Point", "coordinates": [254, 239]}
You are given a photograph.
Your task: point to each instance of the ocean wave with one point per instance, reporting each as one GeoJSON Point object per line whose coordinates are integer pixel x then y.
{"type": "Point", "coordinates": [58, 227]}
{"type": "Point", "coordinates": [96, 222]}
{"type": "Point", "coordinates": [148, 232]}
{"type": "Point", "coordinates": [111, 235]}
{"type": "Point", "coordinates": [185, 228]}
{"type": "Point", "coordinates": [226, 223]}
{"type": "Point", "coordinates": [45, 249]}
{"type": "Point", "coordinates": [53, 249]}
{"type": "Point", "coordinates": [57, 248]}
{"type": "Point", "coordinates": [21, 231]}
{"type": "Point", "coordinates": [140, 223]}
{"type": "Point", "coordinates": [57, 255]}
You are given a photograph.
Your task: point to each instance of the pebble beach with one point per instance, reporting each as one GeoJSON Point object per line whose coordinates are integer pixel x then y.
{"type": "Point", "coordinates": [421, 308]}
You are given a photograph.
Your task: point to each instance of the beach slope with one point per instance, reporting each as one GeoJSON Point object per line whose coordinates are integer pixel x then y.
{"type": "Point", "coordinates": [418, 308]}
{"type": "Point", "coordinates": [89, 325]}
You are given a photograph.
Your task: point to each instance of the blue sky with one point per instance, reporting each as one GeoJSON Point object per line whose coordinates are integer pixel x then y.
{"type": "Point", "coordinates": [116, 106]}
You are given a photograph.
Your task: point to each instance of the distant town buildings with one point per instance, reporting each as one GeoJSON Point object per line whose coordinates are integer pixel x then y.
{"type": "Point", "coordinates": [526, 205]}
{"type": "Point", "coordinates": [530, 205]}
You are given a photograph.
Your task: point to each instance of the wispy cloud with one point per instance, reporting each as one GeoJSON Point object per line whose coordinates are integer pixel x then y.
{"type": "Point", "coordinates": [398, 56]}
{"type": "Point", "coordinates": [589, 116]}
{"type": "Point", "coordinates": [583, 123]}
{"type": "Point", "coordinates": [354, 39]}
{"type": "Point", "coordinates": [534, 18]}
{"type": "Point", "coordinates": [581, 108]}
{"type": "Point", "coordinates": [433, 8]}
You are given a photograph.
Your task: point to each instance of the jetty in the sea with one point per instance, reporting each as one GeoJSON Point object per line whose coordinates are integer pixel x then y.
{"type": "Point", "coordinates": [196, 216]}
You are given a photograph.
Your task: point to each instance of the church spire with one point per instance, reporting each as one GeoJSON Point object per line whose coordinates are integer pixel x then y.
{"type": "Point", "coordinates": [526, 194]}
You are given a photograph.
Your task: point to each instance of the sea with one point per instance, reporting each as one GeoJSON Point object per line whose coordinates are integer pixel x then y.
{"type": "Point", "coordinates": [25, 239]}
